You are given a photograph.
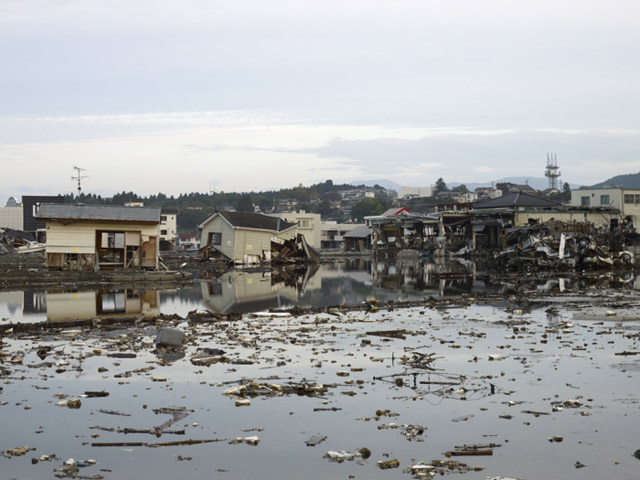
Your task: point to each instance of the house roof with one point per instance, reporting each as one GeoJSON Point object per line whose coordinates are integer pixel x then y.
{"type": "Point", "coordinates": [517, 199]}
{"type": "Point", "coordinates": [98, 212]}
{"type": "Point", "coordinates": [359, 232]}
{"type": "Point", "coordinates": [254, 221]}
{"type": "Point", "coordinates": [395, 211]}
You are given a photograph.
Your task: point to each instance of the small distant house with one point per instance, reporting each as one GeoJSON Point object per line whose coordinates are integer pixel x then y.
{"type": "Point", "coordinates": [93, 237]}
{"type": "Point", "coordinates": [188, 241]}
{"type": "Point", "coordinates": [245, 238]}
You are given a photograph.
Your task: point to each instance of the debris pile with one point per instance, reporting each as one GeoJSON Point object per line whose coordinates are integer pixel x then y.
{"type": "Point", "coordinates": [561, 246]}
{"type": "Point", "coordinates": [295, 250]}
{"type": "Point", "coordinates": [18, 241]}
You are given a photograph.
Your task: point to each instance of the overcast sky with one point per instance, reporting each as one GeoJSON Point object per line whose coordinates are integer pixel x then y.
{"type": "Point", "coordinates": [241, 95]}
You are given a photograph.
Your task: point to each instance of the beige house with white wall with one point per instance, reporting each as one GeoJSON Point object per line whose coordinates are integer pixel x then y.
{"type": "Point", "coordinates": [245, 238]}
{"type": "Point", "coordinates": [94, 237]}
{"type": "Point", "coordinates": [627, 200]}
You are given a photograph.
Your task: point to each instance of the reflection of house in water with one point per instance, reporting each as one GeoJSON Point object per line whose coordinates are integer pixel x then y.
{"type": "Point", "coordinates": [34, 302]}
{"type": "Point", "coordinates": [415, 276]}
{"type": "Point", "coordinates": [13, 301]}
{"type": "Point", "coordinates": [101, 304]}
{"type": "Point", "coordinates": [243, 292]}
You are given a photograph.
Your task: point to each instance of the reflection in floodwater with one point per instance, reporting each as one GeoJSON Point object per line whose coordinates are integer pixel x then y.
{"type": "Point", "coordinates": [86, 305]}
{"type": "Point", "coordinates": [349, 282]}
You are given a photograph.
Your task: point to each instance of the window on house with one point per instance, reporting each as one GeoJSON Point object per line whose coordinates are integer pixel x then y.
{"type": "Point", "coordinates": [604, 200]}
{"type": "Point", "coordinates": [215, 238]}
{"type": "Point", "coordinates": [304, 223]}
{"type": "Point", "coordinates": [585, 201]}
{"type": "Point", "coordinates": [163, 218]}
{"type": "Point", "coordinates": [631, 199]}
{"type": "Point", "coordinates": [163, 232]}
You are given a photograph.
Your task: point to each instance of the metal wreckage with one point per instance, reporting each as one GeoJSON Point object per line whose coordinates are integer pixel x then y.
{"type": "Point", "coordinates": [563, 246]}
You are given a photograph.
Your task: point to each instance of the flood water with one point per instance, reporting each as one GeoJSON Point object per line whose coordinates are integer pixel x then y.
{"type": "Point", "coordinates": [246, 291]}
{"type": "Point", "coordinates": [512, 363]}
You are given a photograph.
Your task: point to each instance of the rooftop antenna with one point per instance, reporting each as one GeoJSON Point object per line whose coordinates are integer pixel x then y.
{"type": "Point", "coordinates": [79, 177]}
{"type": "Point", "coordinates": [212, 192]}
{"type": "Point", "coordinates": [552, 172]}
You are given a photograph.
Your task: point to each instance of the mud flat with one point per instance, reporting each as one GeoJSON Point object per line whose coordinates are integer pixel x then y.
{"type": "Point", "coordinates": [474, 389]}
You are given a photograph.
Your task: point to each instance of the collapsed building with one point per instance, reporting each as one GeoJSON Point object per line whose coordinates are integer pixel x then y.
{"type": "Point", "coordinates": [251, 238]}
{"type": "Point", "coordinates": [426, 233]}
{"type": "Point", "coordinates": [524, 231]}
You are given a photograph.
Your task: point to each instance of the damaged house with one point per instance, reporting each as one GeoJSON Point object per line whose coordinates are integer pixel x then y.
{"type": "Point", "coordinates": [400, 232]}
{"type": "Point", "coordinates": [492, 220]}
{"type": "Point", "coordinates": [94, 237]}
{"type": "Point", "coordinates": [253, 238]}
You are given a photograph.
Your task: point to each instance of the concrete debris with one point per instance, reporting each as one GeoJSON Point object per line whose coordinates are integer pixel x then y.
{"type": "Point", "coordinates": [170, 337]}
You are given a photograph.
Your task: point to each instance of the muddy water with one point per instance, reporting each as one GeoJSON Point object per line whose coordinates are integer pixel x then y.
{"type": "Point", "coordinates": [509, 377]}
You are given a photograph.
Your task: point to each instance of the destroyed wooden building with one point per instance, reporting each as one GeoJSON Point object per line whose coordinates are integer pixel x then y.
{"type": "Point", "coordinates": [358, 239]}
{"type": "Point", "coordinates": [418, 232]}
{"type": "Point", "coordinates": [252, 238]}
{"type": "Point", "coordinates": [94, 237]}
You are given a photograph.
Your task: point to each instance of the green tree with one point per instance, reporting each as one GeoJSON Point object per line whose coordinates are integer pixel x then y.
{"type": "Point", "coordinates": [566, 192]}
{"type": "Point", "coordinates": [244, 203]}
{"type": "Point", "coordinates": [460, 189]}
{"type": "Point", "coordinates": [440, 186]}
{"type": "Point", "coordinates": [368, 207]}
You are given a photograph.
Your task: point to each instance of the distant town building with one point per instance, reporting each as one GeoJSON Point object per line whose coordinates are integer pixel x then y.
{"type": "Point", "coordinates": [415, 192]}
{"type": "Point", "coordinates": [169, 225]}
{"type": "Point", "coordinates": [11, 216]}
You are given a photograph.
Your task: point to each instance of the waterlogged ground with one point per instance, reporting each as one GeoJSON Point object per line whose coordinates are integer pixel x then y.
{"type": "Point", "coordinates": [412, 384]}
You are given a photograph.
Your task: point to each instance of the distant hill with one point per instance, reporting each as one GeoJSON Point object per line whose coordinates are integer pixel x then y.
{"type": "Point", "coordinates": [630, 180]}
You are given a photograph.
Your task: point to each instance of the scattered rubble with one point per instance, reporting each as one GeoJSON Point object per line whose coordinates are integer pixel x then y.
{"type": "Point", "coordinates": [561, 246]}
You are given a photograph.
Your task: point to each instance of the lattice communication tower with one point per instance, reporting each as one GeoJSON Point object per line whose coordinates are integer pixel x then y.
{"type": "Point", "coordinates": [552, 171]}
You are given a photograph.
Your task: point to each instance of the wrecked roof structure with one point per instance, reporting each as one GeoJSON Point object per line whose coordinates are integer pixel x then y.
{"type": "Point", "coordinates": [418, 232]}
{"type": "Point", "coordinates": [94, 237]}
{"type": "Point", "coordinates": [395, 211]}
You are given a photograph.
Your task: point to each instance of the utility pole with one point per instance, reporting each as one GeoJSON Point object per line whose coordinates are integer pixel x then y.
{"type": "Point", "coordinates": [79, 177]}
